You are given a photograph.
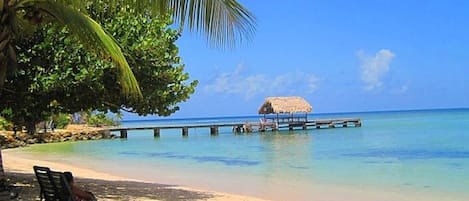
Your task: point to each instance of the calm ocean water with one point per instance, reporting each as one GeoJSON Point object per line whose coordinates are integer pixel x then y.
{"type": "Point", "coordinates": [425, 151]}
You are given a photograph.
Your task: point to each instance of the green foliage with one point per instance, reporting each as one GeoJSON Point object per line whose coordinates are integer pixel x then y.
{"type": "Point", "coordinates": [5, 125]}
{"type": "Point", "coordinates": [18, 14]}
{"type": "Point", "coordinates": [101, 119]}
{"type": "Point", "coordinates": [152, 53]}
{"type": "Point", "coordinates": [58, 75]}
{"type": "Point", "coordinates": [61, 120]}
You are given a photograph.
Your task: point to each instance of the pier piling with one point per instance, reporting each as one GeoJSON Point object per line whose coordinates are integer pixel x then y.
{"type": "Point", "coordinates": [123, 133]}
{"type": "Point", "coordinates": [156, 132]}
{"type": "Point", "coordinates": [185, 131]}
{"type": "Point", "coordinates": [214, 130]}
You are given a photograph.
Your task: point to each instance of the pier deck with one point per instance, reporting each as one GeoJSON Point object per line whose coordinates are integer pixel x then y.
{"type": "Point", "coordinates": [247, 127]}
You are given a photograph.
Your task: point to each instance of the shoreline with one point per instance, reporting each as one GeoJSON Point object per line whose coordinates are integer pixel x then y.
{"type": "Point", "coordinates": [118, 187]}
{"type": "Point", "coordinates": [17, 166]}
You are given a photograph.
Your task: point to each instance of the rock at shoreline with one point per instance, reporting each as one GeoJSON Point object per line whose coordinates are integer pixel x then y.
{"type": "Point", "coordinates": [8, 139]}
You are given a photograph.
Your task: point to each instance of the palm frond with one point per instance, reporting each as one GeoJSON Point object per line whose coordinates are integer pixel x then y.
{"type": "Point", "coordinates": [224, 22]}
{"type": "Point", "coordinates": [92, 35]}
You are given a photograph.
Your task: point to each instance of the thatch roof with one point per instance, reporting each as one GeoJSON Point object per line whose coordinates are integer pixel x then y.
{"type": "Point", "coordinates": [292, 104]}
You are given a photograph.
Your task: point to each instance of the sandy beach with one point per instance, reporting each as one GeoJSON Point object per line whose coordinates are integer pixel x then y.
{"type": "Point", "coordinates": [112, 187]}
{"type": "Point", "coordinates": [105, 186]}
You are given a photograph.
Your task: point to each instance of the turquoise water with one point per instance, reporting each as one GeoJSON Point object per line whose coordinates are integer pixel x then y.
{"type": "Point", "coordinates": [425, 151]}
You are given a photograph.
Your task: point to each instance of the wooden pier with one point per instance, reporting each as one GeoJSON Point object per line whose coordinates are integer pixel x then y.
{"type": "Point", "coordinates": [268, 124]}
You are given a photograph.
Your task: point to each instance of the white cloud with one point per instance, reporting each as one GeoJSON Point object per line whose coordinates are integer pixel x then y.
{"type": "Point", "coordinates": [239, 83]}
{"type": "Point", "coordinates": [312, 83]}
{"type": "Point", "coordinates": [373, 68]}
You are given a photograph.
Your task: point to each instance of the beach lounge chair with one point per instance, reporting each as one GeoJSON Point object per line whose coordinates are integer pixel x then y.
{"type": "Point", "coordinates": [54, 186]}
{"type": "Point", "coordinates": [62, 186]}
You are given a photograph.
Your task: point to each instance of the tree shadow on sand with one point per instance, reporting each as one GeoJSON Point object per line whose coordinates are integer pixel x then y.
{"type": "Point", "coordinates": [111, 190]}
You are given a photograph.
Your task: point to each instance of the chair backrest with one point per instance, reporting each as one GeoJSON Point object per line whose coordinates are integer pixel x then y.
{"type": "Point", "coordinates": [63, 188]}
{"type": "Point", "coordinates": [54, 186]}
{"type": "Point", "coordinates": [48, 191]}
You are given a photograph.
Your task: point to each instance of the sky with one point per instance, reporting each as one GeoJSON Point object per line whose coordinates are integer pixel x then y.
{"type": "Point", "coordinates": [341, 56]}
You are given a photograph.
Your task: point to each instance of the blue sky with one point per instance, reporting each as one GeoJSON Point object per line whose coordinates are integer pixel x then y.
{"type": "Point", "coordinates": [341, 56]}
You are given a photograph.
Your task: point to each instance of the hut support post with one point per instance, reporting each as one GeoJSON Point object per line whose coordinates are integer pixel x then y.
{"type": "Point", "coordinates": [358, 124]}
{"type": "Point", "coordinates": [275, 126]}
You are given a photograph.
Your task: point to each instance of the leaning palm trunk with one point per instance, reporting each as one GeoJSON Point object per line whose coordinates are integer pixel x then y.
{"type": "Point", "coordinates": [5, 45]}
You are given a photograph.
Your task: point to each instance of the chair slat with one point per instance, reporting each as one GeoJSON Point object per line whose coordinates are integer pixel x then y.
{"type": "Point", "coordinates": [53, 184]}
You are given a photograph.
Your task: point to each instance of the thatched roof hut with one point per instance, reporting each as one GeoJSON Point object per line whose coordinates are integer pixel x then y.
{"type": "Point", "coordinates": [292, 104]}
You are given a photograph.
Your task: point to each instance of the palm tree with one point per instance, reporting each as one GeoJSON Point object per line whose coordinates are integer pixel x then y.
{"type": "Point", "coordinates": [224, 22]}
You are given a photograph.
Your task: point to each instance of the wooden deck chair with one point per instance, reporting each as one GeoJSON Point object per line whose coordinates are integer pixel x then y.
{"type": "Point", "coordinates": [53, 185]}
{"type": "Point", "coordinates": [48, 191]}
{"type": "Point", "coordinates": [63, 188]}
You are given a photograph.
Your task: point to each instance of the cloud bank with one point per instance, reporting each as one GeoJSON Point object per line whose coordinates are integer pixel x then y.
{"type": "Point", "coordinates": [373, 68]}
{"type": "Point", "coordinates": [241, 84]}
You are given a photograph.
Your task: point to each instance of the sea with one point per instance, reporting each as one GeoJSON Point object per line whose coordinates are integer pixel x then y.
{"type": "Point", "coordinates": [411, 155]}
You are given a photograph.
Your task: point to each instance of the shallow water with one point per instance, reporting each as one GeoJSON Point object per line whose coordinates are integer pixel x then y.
{"type": "Point", "coordinates": [411, 151]}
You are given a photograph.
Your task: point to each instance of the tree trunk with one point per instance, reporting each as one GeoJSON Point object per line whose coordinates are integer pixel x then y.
{"type": "Point", "coordinates": [3, 47]}
{"type": "Point", "coordinates": [5, 29]}
{"type": "Point", "coordinates": [2, 171]}
{"type": "Point", "coordinates": [31, 127]}
{"type": "Point", "coordinates": [7, 34]}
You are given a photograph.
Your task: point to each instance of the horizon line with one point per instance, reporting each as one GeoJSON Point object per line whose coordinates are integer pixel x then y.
{"type": "Point", "coordinates": [311, 113]}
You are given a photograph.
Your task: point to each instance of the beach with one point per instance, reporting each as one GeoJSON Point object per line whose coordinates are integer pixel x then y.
{"type": "Point", "coordinates": [106, 186]}
{"type": "Point", "coordinates": [113, 187]}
